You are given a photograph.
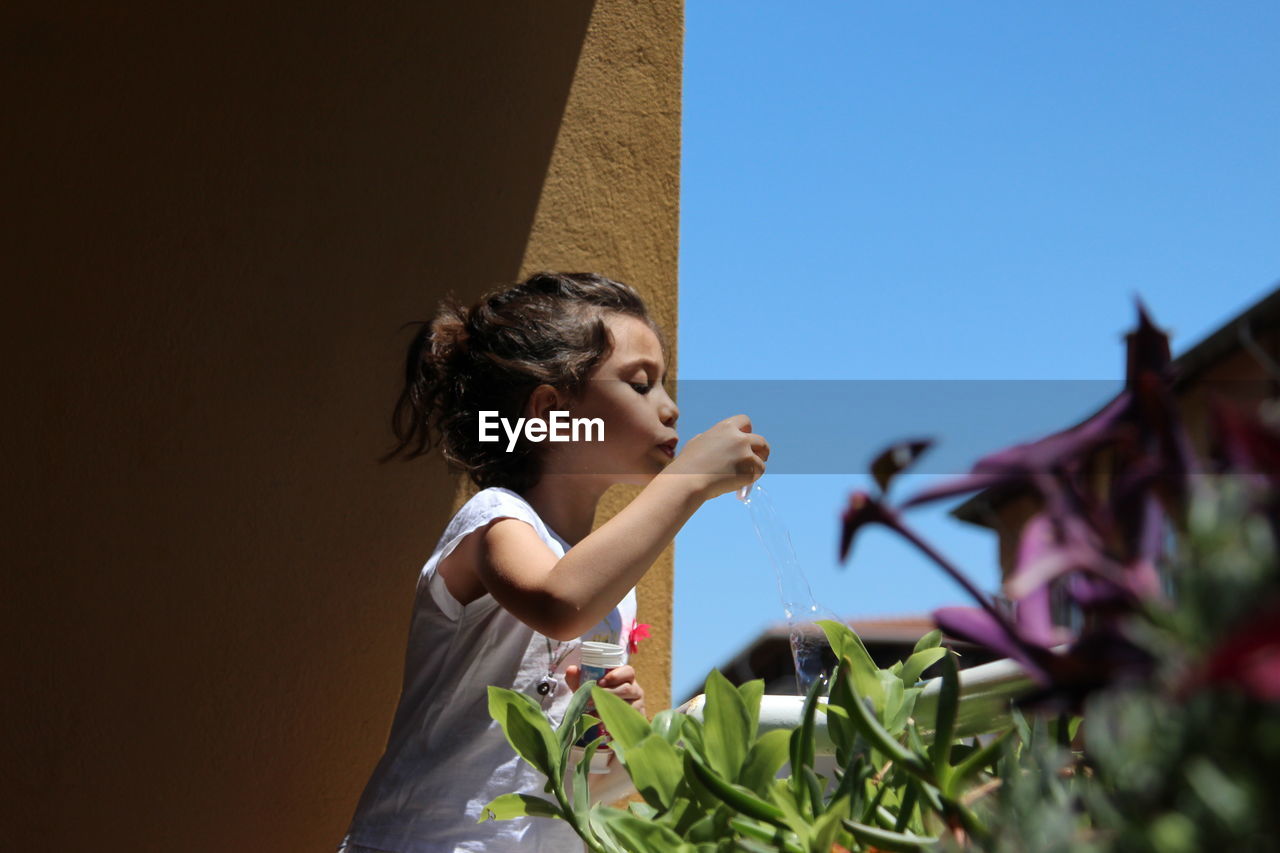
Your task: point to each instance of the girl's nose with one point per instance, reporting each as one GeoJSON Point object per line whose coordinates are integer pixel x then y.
{"type": "Point", "coordinates": [670, 412]}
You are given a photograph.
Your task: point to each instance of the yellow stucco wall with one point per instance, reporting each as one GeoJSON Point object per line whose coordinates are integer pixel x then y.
{"type": "Point", "coordinates": [610, 204]}
{"type": "Point", "coordinates": [216, 218]}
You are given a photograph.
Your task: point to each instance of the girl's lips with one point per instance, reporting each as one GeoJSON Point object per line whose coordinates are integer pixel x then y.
{"type": "Point", "coordinates": [669, 448]}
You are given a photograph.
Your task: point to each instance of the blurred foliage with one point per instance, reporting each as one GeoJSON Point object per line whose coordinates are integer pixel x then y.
{"type": "Point", "coordinates": [1186, 760]}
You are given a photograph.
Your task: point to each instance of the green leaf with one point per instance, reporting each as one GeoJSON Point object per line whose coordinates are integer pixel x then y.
{"type": "Point", "coordinates": [944, 729]}
{"type": "Point", "coordinates": [1227, 799]}
{"type": "Point", "coordinates": [932, 796]}
{"type": "Point", "coordinates": [1173, 833]}
{"type": "Point", "coordinates": [892, 708]}
{"type": "Point", "coordinates": [931, 640]}
{"type": "Point", "coordinates": [919, 662]}
{"type": "Point", "coordinates": [855, 771]}
{"type": "Point", "coordinates": [843, 734]}
{"type": "Point", "coordinates": [845, 642]}
{"type": "Point", "coordinates": [750, 845]}
{"type": "Point", "coordinates": [907, 806]}
{"type": "Point", "coordinates": [885, 839]}
{"type": "Point", "coordinates": [667, 725]}
{"type": "Point", "coordinates": [871, 810]}
{"type": "Point", "coordinates": [655, 769]}
{"type": "Point", "coordinates": [735, 797]}
{"type": "Point", "coordinates": [870, 728]}
{"type": "Point", "coordinates": [1020, 724]}
{"type": "Point", "coordinates": [914, 742]}
{"type": "Point", "coordinates": [764, 760]}
{"type": "Point", "coordinates": [582, 789]}
{"type": "Point", "coordinates": [975, 762]}
{"type": "Point", "coordinates": [527, 729]}
{"type": "Point", "coordinates": [792, 805]}
{"type": "Point", "coordinates": [726, 726]}
{"type": "Point", "coordinates": [861, 668]}
{"type": "Point", "coordinates": [692, 737]}
{"type": "Point", "coordinates": [510, 806]}
{"type": "Point", "coordinates": [827, 825]}
{"type": "Point", "coordinates": [802, 748]}
{"type": "Point", "coordinates": [577, 705]}
{"type": "Point", "coordinates": [686, 809]}
{"type": "Point", "coordinates": [906, 706]}
{"type": "Point", "coordinates": [1039, 733]}
{"type": "Point", "coordinates": [626, 725]}
{"type": "Point", "coordinates": [639, 835]}
{"type": "Point", "coordinates": [705, 799]}
{"type": "Point", "coordinates": [598, 821]}
{"type": "Point", "coordinates": [1073, 727]}
{"type": "Point", "coordinates": [801, 755]}
{"type": "Point", "coordinates": [644, 811]}
{"type": "Point", "coordinates": [710, 827]}
{"type": "Point", "coordinates": [814, 787]}
{"type": "Point", "coordinates": [778, 839]}
{"type": "Point", "coordinates": [751, 692]}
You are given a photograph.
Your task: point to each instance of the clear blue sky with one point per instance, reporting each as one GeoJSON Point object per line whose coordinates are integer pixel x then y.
{"type": "Point", "coordinates": [947, 191]}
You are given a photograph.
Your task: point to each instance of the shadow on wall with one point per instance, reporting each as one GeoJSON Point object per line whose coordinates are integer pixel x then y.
{"type": "Point", "coordinates": [220, 217]}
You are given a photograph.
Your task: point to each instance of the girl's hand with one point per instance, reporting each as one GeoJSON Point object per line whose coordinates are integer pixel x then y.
{"type": "Point", "coordinates": [620, 681]}
{"type": "Point", "coordinates": [727, 457]}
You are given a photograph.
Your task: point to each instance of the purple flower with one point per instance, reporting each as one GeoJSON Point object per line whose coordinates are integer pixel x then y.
{"type": "Point", "coordinates": [1105, 486]}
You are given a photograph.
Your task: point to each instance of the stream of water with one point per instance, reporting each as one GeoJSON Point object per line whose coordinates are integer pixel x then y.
{"type": "Point", "coordinates": [794, 594]}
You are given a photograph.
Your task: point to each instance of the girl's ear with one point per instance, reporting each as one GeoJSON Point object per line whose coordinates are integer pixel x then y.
{"type": "Point", "coordinates": [542, 400]}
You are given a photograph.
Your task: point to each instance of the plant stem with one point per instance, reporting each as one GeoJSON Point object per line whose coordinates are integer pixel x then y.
{"type": "Point", "coordinates": [895, 522]}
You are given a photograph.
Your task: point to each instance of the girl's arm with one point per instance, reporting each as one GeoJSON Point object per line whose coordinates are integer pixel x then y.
{"type": "Point", "coordinates": [564, 597]}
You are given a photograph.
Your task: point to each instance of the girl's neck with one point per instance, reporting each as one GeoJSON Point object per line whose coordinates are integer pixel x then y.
{"type": "Point", "coordinates": [567, 503]}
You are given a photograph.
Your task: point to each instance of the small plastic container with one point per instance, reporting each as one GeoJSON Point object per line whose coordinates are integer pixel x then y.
{"type": "Point", "coordinates": [597, 659]}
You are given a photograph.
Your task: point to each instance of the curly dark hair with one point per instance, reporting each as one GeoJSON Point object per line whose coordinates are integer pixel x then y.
{"type": "Point", "coordinates": [549, 329]}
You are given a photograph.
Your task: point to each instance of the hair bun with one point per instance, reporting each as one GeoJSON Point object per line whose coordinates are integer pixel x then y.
{"type": "Point", "coordinates": [449, 332]}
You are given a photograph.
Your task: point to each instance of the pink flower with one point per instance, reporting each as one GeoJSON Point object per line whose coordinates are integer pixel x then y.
{"type": "Point", "coordinates": [639, 631]}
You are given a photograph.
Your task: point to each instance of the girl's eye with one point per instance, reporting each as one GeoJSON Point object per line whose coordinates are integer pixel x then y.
{"type": "Point", "coordinates": [641, 388]}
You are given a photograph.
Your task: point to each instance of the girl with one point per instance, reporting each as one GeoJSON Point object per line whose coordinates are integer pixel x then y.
{"type": "Point", "coordinates": [519, 579]}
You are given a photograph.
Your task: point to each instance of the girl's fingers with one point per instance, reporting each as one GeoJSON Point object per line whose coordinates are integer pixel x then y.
{"type": "Point", "coordinates": [621, 682]}
{"type": "Point", "coordinates": [760, 446]}
{"type": "Point", "coordinates": [618, 675]}
{"type": "Point", "coordinates": [630, 692]}
{"type": "Point", "coordinates": [573, 677]}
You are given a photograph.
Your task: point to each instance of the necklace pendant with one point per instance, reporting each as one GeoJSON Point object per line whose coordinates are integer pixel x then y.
{"type": "Point", "coordinates": [544, 687]}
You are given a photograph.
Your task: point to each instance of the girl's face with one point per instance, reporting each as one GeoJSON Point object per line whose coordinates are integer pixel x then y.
{"type": "Point", "coordinates": [626, 392]}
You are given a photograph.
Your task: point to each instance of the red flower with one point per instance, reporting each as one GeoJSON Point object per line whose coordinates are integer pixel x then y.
{"type": "Point", "coordinates": [1248, 659]}
{"type": "Point", "coordinates": [639, 631]}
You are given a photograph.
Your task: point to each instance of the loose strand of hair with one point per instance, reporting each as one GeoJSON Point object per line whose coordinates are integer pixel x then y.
{"type": "Point", "coordinates": [411, 417]}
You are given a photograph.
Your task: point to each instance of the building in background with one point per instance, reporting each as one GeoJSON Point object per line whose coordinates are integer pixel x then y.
{"type": "Point", "coordinates": [1239, 362]}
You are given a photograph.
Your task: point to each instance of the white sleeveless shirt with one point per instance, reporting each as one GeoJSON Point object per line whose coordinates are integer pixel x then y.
{"type": "Point", "coordinates": [445, 757]}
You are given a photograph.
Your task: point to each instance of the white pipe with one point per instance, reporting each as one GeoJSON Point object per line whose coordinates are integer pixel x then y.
{"type": "Point", "coordinates": [985, 694]}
